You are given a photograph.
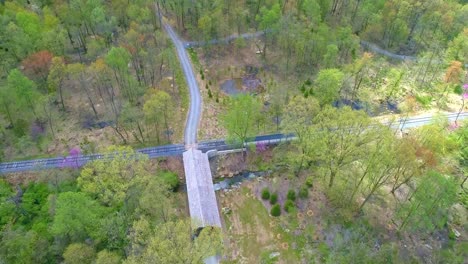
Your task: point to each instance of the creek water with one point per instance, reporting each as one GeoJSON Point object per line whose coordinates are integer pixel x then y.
{"type": "Point", "coordinates": [227, 183]}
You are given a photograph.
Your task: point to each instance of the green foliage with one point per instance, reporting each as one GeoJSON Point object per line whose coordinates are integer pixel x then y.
{"type": "Point", "coordinates": [79, 254]}
{"type": "Point", "coordinates": [327, 85]}
{"type": "Point", "coordinates": [275, 210]}
{"type": "Point", "coordinates": [77, 216]}
{"type": "Point", "coordinates": [118, 59]}
{"type": "Point", "coordinates": [108, 257]}
{"type": "Point", "coordinates": [242, 118]}
{"type": "Point", "coordinates": [309, 181]}
{"type": "Point", "coordinates": [170, 242]}
{"type": "Point", "coordinates": [158, 109]}
{"type": "Point", "coordinates": [194, 58]}
{"type": "Point", "coordinates": [303, 192]}
{"type": "Point", "coordinates": [458, 89]}
{"type": "Point", "coordinates": [171, 180]}
{"type": "Point", "coordinates": [273, 198]}
{"type": "Point", "coordinates": [288, 206]}
{"type": "Point", "coordinates": [20, 246]}
{"type": "Point", "coordinates": [35, 203]}
{"type": "Point", "coordinates": [269, 18]}
{"type": "Point", "coordinates": [429, 203]}
{"type": "Point", "coordinates": [425, 101]}
{"type": "Point", "coordinates": [109, 181]}
{"type": "Point", "coordinates": [153, 199]}
{"type": "Point", "coordinates": [291, 195]}
{"type": "Point", "coordinates": [265, 193]}
{"type": "Point", "coordinates": [7, 207]}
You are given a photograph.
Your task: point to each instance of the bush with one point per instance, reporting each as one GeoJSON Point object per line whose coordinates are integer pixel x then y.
{"type": "Point", "coordinates": [273, 198]}
{"type": "Point", "coordinates": [171, 179]}
{"type": "Point", "coordinates": [292, 195]}
{"type": "Point", "coordinates": [288, 205]}
{"type": "Point", "coordinates": [303, 192]}
{"type": "Point", "coordinates": [275, 210]}
{"type": "Point", "coordinates": [425, 101]}
{"type": "Point", "coordinates": [458, 90]}
{"type": "Point", "coordinates": [265, 194]}
{"type": "Point", "coordinates": [309, 182]}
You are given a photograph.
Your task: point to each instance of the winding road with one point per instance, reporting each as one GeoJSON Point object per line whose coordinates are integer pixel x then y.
{"type": "Point", "coordinates": [193, 118]}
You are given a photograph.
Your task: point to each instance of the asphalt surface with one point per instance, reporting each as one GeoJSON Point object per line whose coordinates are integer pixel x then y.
{"type": "Point", "coordinates": [178, 149]}
{"type": "Point", "coordinates": [193, 118]}
{"type": "Point", "coordinates": [226, 40]}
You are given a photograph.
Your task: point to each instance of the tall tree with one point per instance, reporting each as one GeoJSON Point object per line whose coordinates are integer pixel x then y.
{"type": "Point", "coordinates": [109, 178]}
{"type": "Point", "coordinates": [36, 66]}
{"type": "Point", "coordinates": [158, 109]}
{"type": "Point", "coordinates": [298, 118]}
{"type": "Point", "coordinates": [241, 118]}
{"type": "Point", "coordinates": [56, 77]}
{"type": "Point", "coordinates": [268, 21]}
{"type": "Point", "coordinates": [340, 137]}
{"type": "Point", "coordinates": [327, 86]}
{"type": "Point", "coordinates": [25, 91]}
{"type": "Point", "coordinates": [77, 216]}
{"type": "Point", "coordinates": [171, 242]}
{"type": "Point", "coordinates": [426, 206]}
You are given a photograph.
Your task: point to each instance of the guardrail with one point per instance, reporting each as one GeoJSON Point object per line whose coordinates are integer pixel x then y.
{"type": "Point", "coordinates": [178, 149]}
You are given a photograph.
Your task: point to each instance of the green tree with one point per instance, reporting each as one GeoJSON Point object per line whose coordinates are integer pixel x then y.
{"type": "Point", "coordinates": [426, 206]}
{"type": "Point", "coordinates": [21, 246]}
{"type": "Point", "coordinates": [276, 210]}
{"type": "Point", "coordinates": [26, 94]}
{"type": "Point", "coordinates": [156, 201]}
{"type": "Point", "coordinates": [458, 48]}
{"type": "Point", "coordinates": [118, 60]}
{"type": "Point", "coordinates": [77, 216]}
{"type": "Point", "coordinates": [268, 20]}
{"type": "Point", "coordinates": [7, 206]}
{"type": "Point", "coordinates": [298, 117]}
{"type": "Point", "coordinates": [79, 253]}
{"type": "Point", "coordinates": [56, 77]}
{"type": "Point", "coordinates": [109, 178]}
{"type": "Point", "coordinates": [327, 86]}
{"type": "Point", "coordinates": [108, 257]}
{"type": "Point", "coordinates": [158, 110]}
{"type": "Point", "coordinates": [340, 137]}
{"type": "Point", "coordinates": [35, 203]}
{"type": "Point", "coordinates": [241, 118]}
{"type": "Point", "coordinates": [171, 242]}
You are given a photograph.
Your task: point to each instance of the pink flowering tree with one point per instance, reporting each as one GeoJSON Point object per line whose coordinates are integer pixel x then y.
{"type": "Point", "coordinates": [72, 160]}
{"type": "Point", "coordinates": [464, 97]}
{"type": "Point", "coordinates": [261, 147]}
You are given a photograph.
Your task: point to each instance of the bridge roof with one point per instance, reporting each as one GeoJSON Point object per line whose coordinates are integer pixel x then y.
{"type": "Point", "coordinates": [203, 206]}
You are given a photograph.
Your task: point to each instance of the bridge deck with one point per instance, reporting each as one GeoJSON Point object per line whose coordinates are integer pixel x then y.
{"type": "Point", "coordinates": [203, 206]}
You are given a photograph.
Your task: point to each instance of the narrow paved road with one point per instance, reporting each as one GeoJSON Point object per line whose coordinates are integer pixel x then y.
{"type": "Point", "coordinates": [178, 149]}
{"type": "Point", "coordinates": [193, 117]}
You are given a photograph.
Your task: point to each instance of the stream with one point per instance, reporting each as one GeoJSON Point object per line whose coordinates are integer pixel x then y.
{"type": "Point", "coordinates": [227, 183]}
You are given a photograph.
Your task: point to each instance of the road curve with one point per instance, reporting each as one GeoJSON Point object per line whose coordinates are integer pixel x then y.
{"type": "Point", "coordinates": [193, 118]}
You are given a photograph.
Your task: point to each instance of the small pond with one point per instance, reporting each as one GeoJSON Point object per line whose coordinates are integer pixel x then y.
{"type": "Point", "coordinates": [232, 86]}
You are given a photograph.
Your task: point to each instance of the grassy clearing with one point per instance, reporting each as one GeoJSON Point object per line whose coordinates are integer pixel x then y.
{"type": "Point", "coordinates": [252, 233]}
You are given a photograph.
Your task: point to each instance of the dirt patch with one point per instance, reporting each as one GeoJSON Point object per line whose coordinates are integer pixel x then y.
{"type": "Point", "coordinates": [173, 164]}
